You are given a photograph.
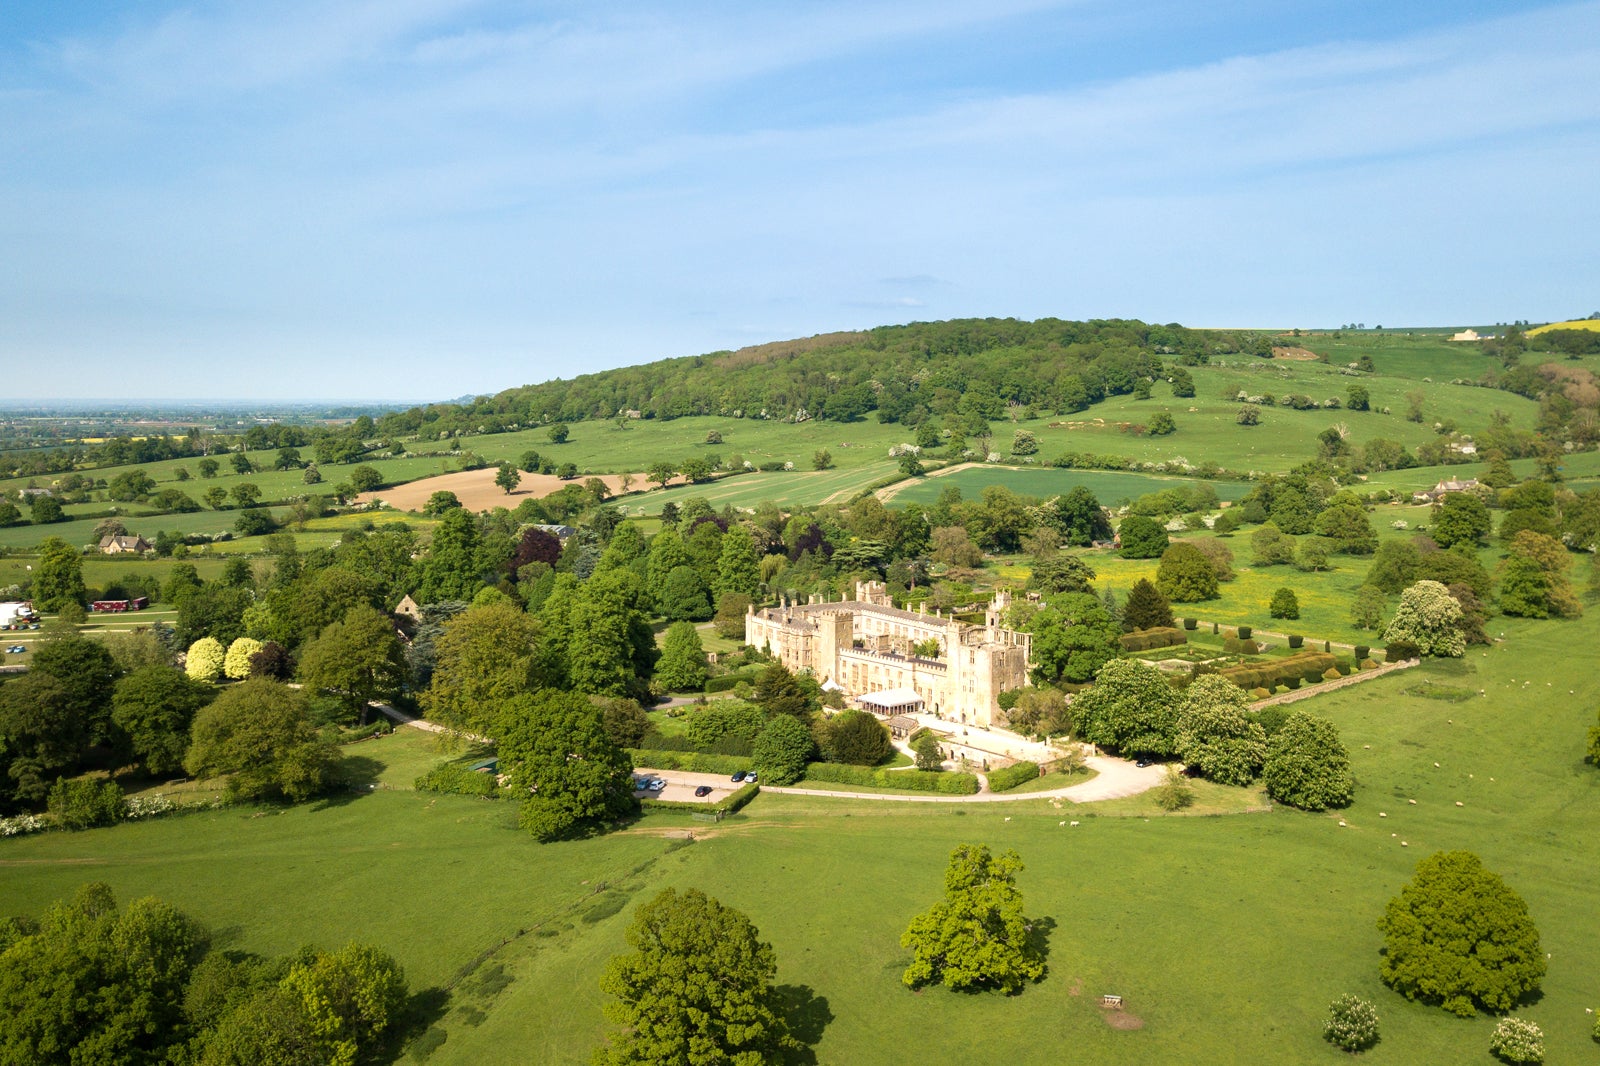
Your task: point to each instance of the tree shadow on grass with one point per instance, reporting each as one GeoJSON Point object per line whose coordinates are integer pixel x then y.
{"type": "Point", "coordinates": [418, 1035]}
{"type": "Point", "coordinates": [1039, 930]}
{"type": "Point", "coordinates": [808, 1016]}
{"type": "Point", "coordinates": [358, 776]}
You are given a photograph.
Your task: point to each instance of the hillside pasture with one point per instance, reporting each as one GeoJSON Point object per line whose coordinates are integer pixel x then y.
{"type": "Point", "coordinates": [1109, 487]}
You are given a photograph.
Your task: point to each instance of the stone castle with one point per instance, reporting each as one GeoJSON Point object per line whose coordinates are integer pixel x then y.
{"type": "Point", "coordinates": [864, 646]}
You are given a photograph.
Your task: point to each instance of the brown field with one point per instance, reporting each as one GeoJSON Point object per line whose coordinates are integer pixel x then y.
{"type": "Point", "coordinates": [477, 491]}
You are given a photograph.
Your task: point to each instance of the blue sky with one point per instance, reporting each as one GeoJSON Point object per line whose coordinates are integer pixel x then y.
{"type": "Point", "coordinates": [416, 199]}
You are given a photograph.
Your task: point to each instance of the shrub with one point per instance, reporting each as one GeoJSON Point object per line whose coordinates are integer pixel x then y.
{"type": "Point", "coordinates": [1232, 646]}
{"type": "Point", "coordinates": [459, 781]}
{"type": "Point", "coordinates": [1249, 647]}
{"type": "Point", "coordinates": [1296, 641]}
{"type": "Point", "coordinates": [1244, 632]}
{"type": "Point", "coordinates": [1400, 650]}
{"type": "Point", "coordinates": [86, 804]}
{"type": "Point", "coordinates": [1362, 652]}
{"type": "Point", "coordinates": [1352, 1024]}
{"type": "Point", "coordinates": [1517, 1040]}
{"type": "Point", "coordinates": [1173, 794]}
{"type": "Point", "coordinates": [1008, 778]}
{"type": "Point", "coordinates": [1191, 623]}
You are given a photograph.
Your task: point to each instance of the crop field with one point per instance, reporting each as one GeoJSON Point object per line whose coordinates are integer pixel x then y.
{"type": "Point", "coordinates": [1109, 487]}
{"type": "Point", "coordinates": [789, 488]}
{"type": "Point", "coordinates": [1580, 323]}
{"type": "Point", "coordinates": [1226, 936]}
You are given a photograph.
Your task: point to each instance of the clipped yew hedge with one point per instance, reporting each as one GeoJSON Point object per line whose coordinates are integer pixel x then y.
{"type": "Point", "coordinates": [735, 801]}
{"type": "Point", "coordinates": [1159, 637]}
{"type": "Point", "coordinates": [1008, 778]}
{"type": "Point", "coordinates": [1291, 671]}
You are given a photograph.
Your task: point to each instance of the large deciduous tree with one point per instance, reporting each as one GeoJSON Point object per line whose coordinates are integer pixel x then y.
{"type": "Point", "coordinates": [95, 984]}
{"type": "Point", "coordinates": [1307, 765]}
{"type": "Point", "coordinates": [260, 733]}
{"type": "Point", "coordinates": [154, 707]}
{"type": "Point", "coordinates": [782, 749]}
{"type": "Point", "coordinates": [1429, 617]}
{"type": "Point", "coordinates": [58, 577]}
{"type": "Point", "coordinates": [738, 564]}
{"type": "Point", "coordinates": [1214, 735]}
{"type": "Point", "coordinates": [555, 749]}
{"type": "Point", "coordinates": [1130, 708]}
{"type": "Point", "coordinates": [1460, 518]}
{"type": "Point", "coordinates": [1459, 936]}
{"type": "Point", "coordinates": [1142, 537]}
{"type": "Point", "coordinates": [695, 988]}
{"type": "Point", "coordinates": [1185, 575]}
{"type": "Point", "coordinates": [1533, 579]}
{"type": "Point", "coordinates": [977, 936]}
{"type": "Point", "coordinates": [682, 666]}
{"type": "Point", "coordinates": [44, 736]}
{"type": "Point", "coordinates": [1072, 639]}
{"type": "Point", "coordinates": [484, 657]}
{"type": "Point", "coordinates": [358, 659]}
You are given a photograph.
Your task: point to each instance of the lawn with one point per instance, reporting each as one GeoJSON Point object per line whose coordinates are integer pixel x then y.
{"type": "Point", "coordinates": [1227, 936]}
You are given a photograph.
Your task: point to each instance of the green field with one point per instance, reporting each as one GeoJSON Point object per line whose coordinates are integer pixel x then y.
{"type": "Point", "coordinates": [1109, 487]}
{"type": "Point", "coordinates": [1227, 936]}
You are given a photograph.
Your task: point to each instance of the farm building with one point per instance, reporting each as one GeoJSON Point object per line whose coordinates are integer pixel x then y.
{"type": "Point", "coordinates": [864, 647]}
{"type": "Point", "coordinates": [119, 545]}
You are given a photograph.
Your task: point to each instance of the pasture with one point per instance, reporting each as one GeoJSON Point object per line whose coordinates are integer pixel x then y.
{"type": "Point", "coordinates": [1227, 936]}
{"type": "Point", "coordinates": [1109, 487]}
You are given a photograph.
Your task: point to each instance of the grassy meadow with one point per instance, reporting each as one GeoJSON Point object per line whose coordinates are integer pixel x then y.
{"type": "Point", "coordinates": [1227, 935]}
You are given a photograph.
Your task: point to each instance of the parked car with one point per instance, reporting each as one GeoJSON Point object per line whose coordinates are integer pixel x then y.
{"type": "Point", "coordinates": [702, 792]}
{"type": "Point", "coordinates": [657, 784]}
{"type": "Point", "coordinates": [17, 649]}
{"type": "Point", "coordinates": [737, 777]}
{"type": "Point", "coordinates": [750, 778]}
{"type": "Point", "coordinates": [1142, 763]}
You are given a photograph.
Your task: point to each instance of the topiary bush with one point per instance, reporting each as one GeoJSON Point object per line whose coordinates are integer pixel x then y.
{"type": "Point", "coordinates": [1363, 652]}
{"type": "Point", "coordinates": [1517, 1040]}
{"type": "Point", "coordinates": [1191, 623]}
{"type": "Point", "coordinates": [1352, 1024]}
{"type": "Point", "coordinates": [1244, 632]}
{"type": "Point", "coordinates": [1296, 641]}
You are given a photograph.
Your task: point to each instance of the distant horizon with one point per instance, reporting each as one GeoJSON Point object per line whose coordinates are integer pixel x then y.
{"type": "Point", "coordinates": [426, 198]}
{"type": "Point", "coordinates": [235, 404]}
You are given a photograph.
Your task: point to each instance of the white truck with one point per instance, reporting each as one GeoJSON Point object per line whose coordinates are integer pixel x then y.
{"type": "Point", "coordinates": [18, 614]}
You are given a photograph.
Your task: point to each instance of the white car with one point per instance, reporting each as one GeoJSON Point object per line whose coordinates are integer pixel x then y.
{"type": "Point", "coordinates": [657, 784]}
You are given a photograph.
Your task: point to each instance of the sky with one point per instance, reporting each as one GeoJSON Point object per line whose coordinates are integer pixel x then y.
{"type": "Point", "coordinates": [423, 199]}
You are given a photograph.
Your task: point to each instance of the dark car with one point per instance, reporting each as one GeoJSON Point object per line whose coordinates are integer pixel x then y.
{"type": "Point", "coordinates": [736, 778]}
{"type": "Point", "coordinates": [1142, 762]}
{"type": "Point", "coordinates": [702, 791]}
